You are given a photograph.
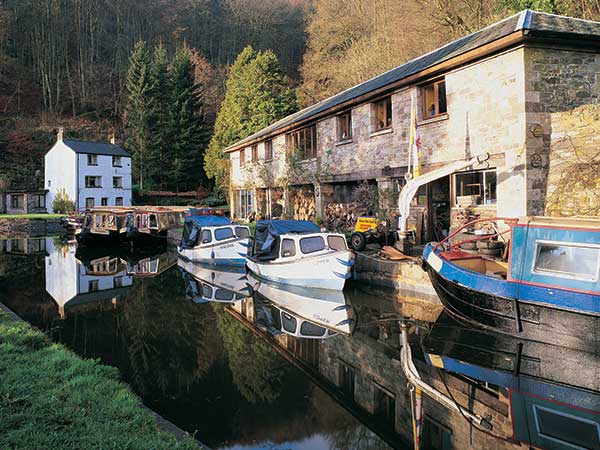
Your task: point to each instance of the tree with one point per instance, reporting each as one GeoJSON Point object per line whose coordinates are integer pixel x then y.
{"type": "Point", "coordinates": [138, 110]}
{"type": "Point", "coordinates": [62, 204]}
{"type": "Point", "coordinates": [257, 94]}
{"type": "Point", "coordinates": [188, 133]}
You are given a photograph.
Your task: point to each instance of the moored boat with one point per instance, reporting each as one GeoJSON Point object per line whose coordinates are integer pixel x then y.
{"type": "Point", "coordinates": [546, 288]}
{"type": "Point", "coordinates": [214, 240]}
{"type": "Point", "coordinates": [151, 223]}
{"type": "Point", "coordinates": [297, 252]}
{"type": "Point", "coordinates": [103, 225]}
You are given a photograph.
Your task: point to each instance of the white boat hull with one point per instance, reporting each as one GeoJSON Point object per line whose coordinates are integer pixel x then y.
{"type": "Point", "coordinates": [324, 271]}
{"type": "Point", "coordinates": [224, 253]}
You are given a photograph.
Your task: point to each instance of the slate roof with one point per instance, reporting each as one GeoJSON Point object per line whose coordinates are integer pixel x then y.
{"type": "Point", "coordinates": [95, 148]}
{"type": "Point", "coordinates": [533, 23]}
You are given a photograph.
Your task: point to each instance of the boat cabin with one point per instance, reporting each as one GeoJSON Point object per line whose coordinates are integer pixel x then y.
{"type": "Point", "coordinates": [151, 266]}
{"type": "Point", "coordinates": [156, 219]}
{"type": "Point", "coordinates": [106, 220]}
{"type": "Point", "coordinates": [206, 231]}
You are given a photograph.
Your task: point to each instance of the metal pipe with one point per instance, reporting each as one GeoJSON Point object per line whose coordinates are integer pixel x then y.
{"type": "Point", "coordinates": [411, 373]}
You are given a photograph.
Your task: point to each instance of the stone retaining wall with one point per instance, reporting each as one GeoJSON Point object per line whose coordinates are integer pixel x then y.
{"type": "Point", "coordinates": [29, 227]}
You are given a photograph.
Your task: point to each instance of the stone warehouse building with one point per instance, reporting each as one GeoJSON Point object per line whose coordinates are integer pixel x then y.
{"type": "Point", "coordinates": [524, 90]}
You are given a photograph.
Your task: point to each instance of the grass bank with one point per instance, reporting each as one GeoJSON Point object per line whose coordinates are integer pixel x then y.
{"type": "Point", "coordinates": [50, 398]}
{"type": "Point", "coordinates": [31, 216]}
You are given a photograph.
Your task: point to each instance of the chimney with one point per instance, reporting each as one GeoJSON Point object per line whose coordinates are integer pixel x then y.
{"type": "Point", "coordinates": [59, 135]}
{"type": "Point", "coordinates": [112, 139]}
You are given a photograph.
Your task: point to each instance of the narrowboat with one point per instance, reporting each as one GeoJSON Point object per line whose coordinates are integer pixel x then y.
{"type": "Point", "coordinates": [207, 283]}
{"type": "Point", "coordinates": [214, 240]}
{"type": "Point", "coordinates": [297, 252]}
{"type": "Point", "coordinates": [103, 225]}
{"type": "Point", "coordinates": [552, 392]}
{"type": "Point", "coordinates": [151, 223]}
{"type": "Point", "coordinates": [543, 286]}
{"type": "Point", "coordinates": [141, 266]}
{"type": "Point", "coordinates": [299, 311]}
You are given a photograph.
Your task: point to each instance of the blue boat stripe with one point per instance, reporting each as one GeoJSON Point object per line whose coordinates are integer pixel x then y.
{"type": "Point", "coordinates": [345, 263]}
{"type": "Point", "coordinates": [248, 245]}
{"type": "Point", "coordinates": [344, 276]}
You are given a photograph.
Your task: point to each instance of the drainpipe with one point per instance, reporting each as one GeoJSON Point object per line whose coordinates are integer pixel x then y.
{"type": "Point", "coordinates": [410, 371]}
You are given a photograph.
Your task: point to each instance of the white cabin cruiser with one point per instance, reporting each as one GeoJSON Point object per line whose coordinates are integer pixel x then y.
{"type": "Point", "coordinates": [204, 283]}
{"type": "Point", "coordinates": [214, 240]}
{"type": "Point", "coordinates": [297, 252]}
{"type": "Point", "coordinates": [301, 312]}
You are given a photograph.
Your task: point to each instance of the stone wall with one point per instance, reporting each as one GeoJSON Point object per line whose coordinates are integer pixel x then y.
{"type": "Point", "coordinates": [563, 124]}
{"type": "Point", "coordinates": [29, 227]}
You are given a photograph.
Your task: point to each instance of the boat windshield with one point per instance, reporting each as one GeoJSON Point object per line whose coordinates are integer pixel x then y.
{"type": "Point", "coordinates": [310, 329]}
{"type": "Point", "coordinates": [312, 244]}
{"type": "Point", "coordinates": [289, 322]}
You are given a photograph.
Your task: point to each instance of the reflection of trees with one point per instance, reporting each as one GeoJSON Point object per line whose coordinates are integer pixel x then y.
{"type": "Point", "coordinates": [169, 340]}
{"type": "Point", "coordinates": [357, 437]}
{"type": "Point", "coordinates": [257, 370]}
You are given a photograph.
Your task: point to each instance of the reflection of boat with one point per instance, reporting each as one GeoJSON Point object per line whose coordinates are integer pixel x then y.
{"type": "Point", "coordinates": [215, 240]}
{"type": "Point", "coordinates": [208, 283]}
{"type": "Point", "coordinates": [150, 266]}
{"type": "Point", "coordinates": [301, 312]}
{"type": "Point", "coordinates": [548, 289]}
{"type": "Point", "coordinates": [296, 252]}
{"type": "Point", "coordinates": [553, 392]}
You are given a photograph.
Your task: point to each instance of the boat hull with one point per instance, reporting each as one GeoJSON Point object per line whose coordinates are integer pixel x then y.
{"type": "Point", "coordinates": [325, 271]}
{"type": "Point", "coordinates": [228, 253]}
{"type": "Point", "coordinates": [522, 319]}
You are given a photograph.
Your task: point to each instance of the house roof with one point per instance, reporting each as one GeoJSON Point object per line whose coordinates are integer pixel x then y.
{"type": "Point", "coordinates": [95, 148]}
{"type": "Point", "coordinates": [532, 23]}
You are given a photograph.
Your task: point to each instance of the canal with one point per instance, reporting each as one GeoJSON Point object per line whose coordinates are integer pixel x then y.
{"type": "Point", "coordinates": [244, 364]}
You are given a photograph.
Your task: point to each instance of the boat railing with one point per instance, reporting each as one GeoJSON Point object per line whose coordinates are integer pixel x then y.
{"type": "Point", "coordinates": [446, 242]}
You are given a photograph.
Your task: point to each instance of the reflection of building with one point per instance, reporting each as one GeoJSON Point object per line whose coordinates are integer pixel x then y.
{"type": "Point", "coordinates": [71, 283]}
{"type": "Point", "coordinates": [23, 246]}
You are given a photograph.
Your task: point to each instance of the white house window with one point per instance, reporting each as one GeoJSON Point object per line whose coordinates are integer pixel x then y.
{"type": "Point", "coordinates": [49, 183]}
{"type": "Point", "coordinates": [93, 182]}
{"type": "Point", "coordinates": [104, 201]}
{"type": "Point", "coordinates": [17, 201]}
{"type": "Point", "coordinates": [117, 182]}
{"type": "Point", "coordinates": [119, 201]}
{"type": "Point", "coordinates": [39, 201]}
{"type": "Point", "coordinates": [92, 160]}
{"type": "Point", "coordinates": [89, 202]}
{"type": "Point", "coordinates": [116, 161]}
{"type": "Point", "coordinates": [475, 188]}
{"type": "Point", "coordinates": [245, 203]}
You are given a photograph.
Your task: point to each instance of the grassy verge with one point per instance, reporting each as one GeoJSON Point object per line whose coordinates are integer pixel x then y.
{"type": "Point", "coordinates": [31, 216]}
{"type": "Point", "coordinates": [50, 398]}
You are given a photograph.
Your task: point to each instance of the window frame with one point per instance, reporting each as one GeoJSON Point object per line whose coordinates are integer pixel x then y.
{"type": "Point", "coordinates": [311, 238]}
{"type": "Point", "coordinates": [565, 275]}
{"type": "Point", "coordinates": [297, 142]}
{"type": "Point", "coordinates": [92, 159]}
{"type": "Point", "coordinates": [485, 191]}
{"type": "Point", "coordinates": [94, 177]}
{"type": "Point", "coordinates": [436, 100]}
{"type": "Point", "coordinates": [284, 240]}
{"type": "Point", "coordinates": [14, 201]}
{"type": "Point", "coordinates": [537, 407]}
{"type": "Point", "coordinates": [242, 157]}
{"type": "Point", "coordinates": [254, 153]}
{"type": "Point", "coordinates": [344, 119]}
{"type": "Point", "coordinates": [216, 238]}
{"type": "Point", "coordinates": [118, 201]}
{"type": "Point", "coordinates": [118, 185]}
{"type": "Point", "coordinates": [383, 103]}
{"type": "Point", "coordinates": [104, 201]}
{"type": "Point", "coordinates": [87, 202]}
{"type": "Point", "coordinates": [115, 160]}
{"type": "Point", "coordinates": [36, 201]}
{"type": "Point", "coordinates": [268, 150]}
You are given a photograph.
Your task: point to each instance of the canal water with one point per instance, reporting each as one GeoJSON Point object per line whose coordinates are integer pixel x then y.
{"type": "Point", "coordinates": [244, 364]}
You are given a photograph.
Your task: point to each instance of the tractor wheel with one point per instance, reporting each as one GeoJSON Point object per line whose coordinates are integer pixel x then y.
{"type": "Point", "coordinates": [358, 241]}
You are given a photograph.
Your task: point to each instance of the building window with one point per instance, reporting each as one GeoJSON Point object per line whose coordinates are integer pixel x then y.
{"type": "Point", "coordinates": [92, 160]}
{"type": "Point", "coordinates": [254, 153]}
{"type": "Point", "coordinates": [385, 406]}
{"type": "Point", "coordinates": [268, 150]}
{"type": "Point", "coordinates": [344, 126]}
{"type": "Point", "coordinates": [49, 183]}
{"type": "Point", "coordinates": [117, 182]}
{"type": "Point", "coordinates": [245, 203]}
{"type": "Point", "coordinates": [346, 373]}
{"type": "Point", "coordinates": [475, 188]}
{"type": "Point", "coordinates": [242, 157]}
{"type": "Point", "coordinates": [39, 201]}
{"type": "Point", "coordinates": [434, 99]}
{"type": "Point", "coordinates": [89, 202]}
{"type": "Point", "coordinates": [383, 114]}
{"type": "Point", "coordinates": [17, 201]}
{"type": "Point", "coordinates": [118, 282]}
{"type": "Point", "coordinates": [119, 201]}
{"type": "Point", "coordinates": [435, 435]}
{"type": "Point", "coordinates": [116, 161]}
{"type": "Point", "coordinates": [93, 182]}
{"type": "Point", "coordinates": [92, 285]}
{"type": "Point", "coordinates": [303, 142]}
{"type": "Point", "coordinates": [104, 201]}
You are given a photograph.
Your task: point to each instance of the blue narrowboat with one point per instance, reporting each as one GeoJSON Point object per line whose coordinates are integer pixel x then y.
{"type": "Point", "coordinates": [544, 286]}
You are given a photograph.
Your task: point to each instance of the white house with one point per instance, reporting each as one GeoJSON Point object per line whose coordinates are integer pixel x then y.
{"type": "Point", "coordinates": [91, 173]}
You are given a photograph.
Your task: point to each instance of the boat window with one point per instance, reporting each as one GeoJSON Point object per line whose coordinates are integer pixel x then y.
{"type": "Point", "coordinates": [242, 232]}
{"type": "Point", "coordinates": [223, 294]}
{"type": "Point", "coordinates": [223, 233]}
{"type": "Point", "coordinates": [288, 248]}
{"type": "Point", "coordinates": [336, 242]}
{"type": "Point", "coordinates": [153, 222]}
{"type": "Point", "coordinates": [111, 221]}
{"type": "Point", "coordinates": [88, 222]}
{"type": "Point", "coordinates": [312, 244]}
{"type": "Point", "coordinates": [206, 291]}
{"type": "Point", "coordinates": [561, 259]}
{"type": "Point", "coordinates": [98, 220]}
{"type": "Point", "coordinates": [566, 429]}
{"type": "Point", "coordinates": [289, 322]}
{"type": "Point", "coordinates": [206, 236]}
{"type": "Point", "coordinates": [310, 329]}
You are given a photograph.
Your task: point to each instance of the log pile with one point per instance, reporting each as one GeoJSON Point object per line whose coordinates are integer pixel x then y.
{"type": "Point", "coordinates": [341, 217]}
{"type": "Point", "coordinates": [303, 205]}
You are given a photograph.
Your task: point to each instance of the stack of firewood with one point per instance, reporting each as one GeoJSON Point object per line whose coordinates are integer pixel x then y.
{"type": "Point", "coordinates": [303, 207]}
{"type": "Point", "coordinates": [342, 217]}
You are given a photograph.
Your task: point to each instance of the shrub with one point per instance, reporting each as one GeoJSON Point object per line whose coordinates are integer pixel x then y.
{"type": "Point", "coordinates": [62, 204]}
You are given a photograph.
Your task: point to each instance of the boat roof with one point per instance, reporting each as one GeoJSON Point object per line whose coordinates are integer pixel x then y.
{"type": "Point", "coordinates": [587, 222]}
{"type": "Point", "coordinates": [208, 221]}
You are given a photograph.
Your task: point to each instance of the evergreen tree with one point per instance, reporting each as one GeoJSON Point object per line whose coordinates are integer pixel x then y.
{"type": "Point", "coordinates": [158, 144]}
{"type": "Point", "coordinates": [188, 134]}
{"type": "Point", "coordinates": [257, 94]}
{"type": "Point", "coordinates": [139, 106]}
